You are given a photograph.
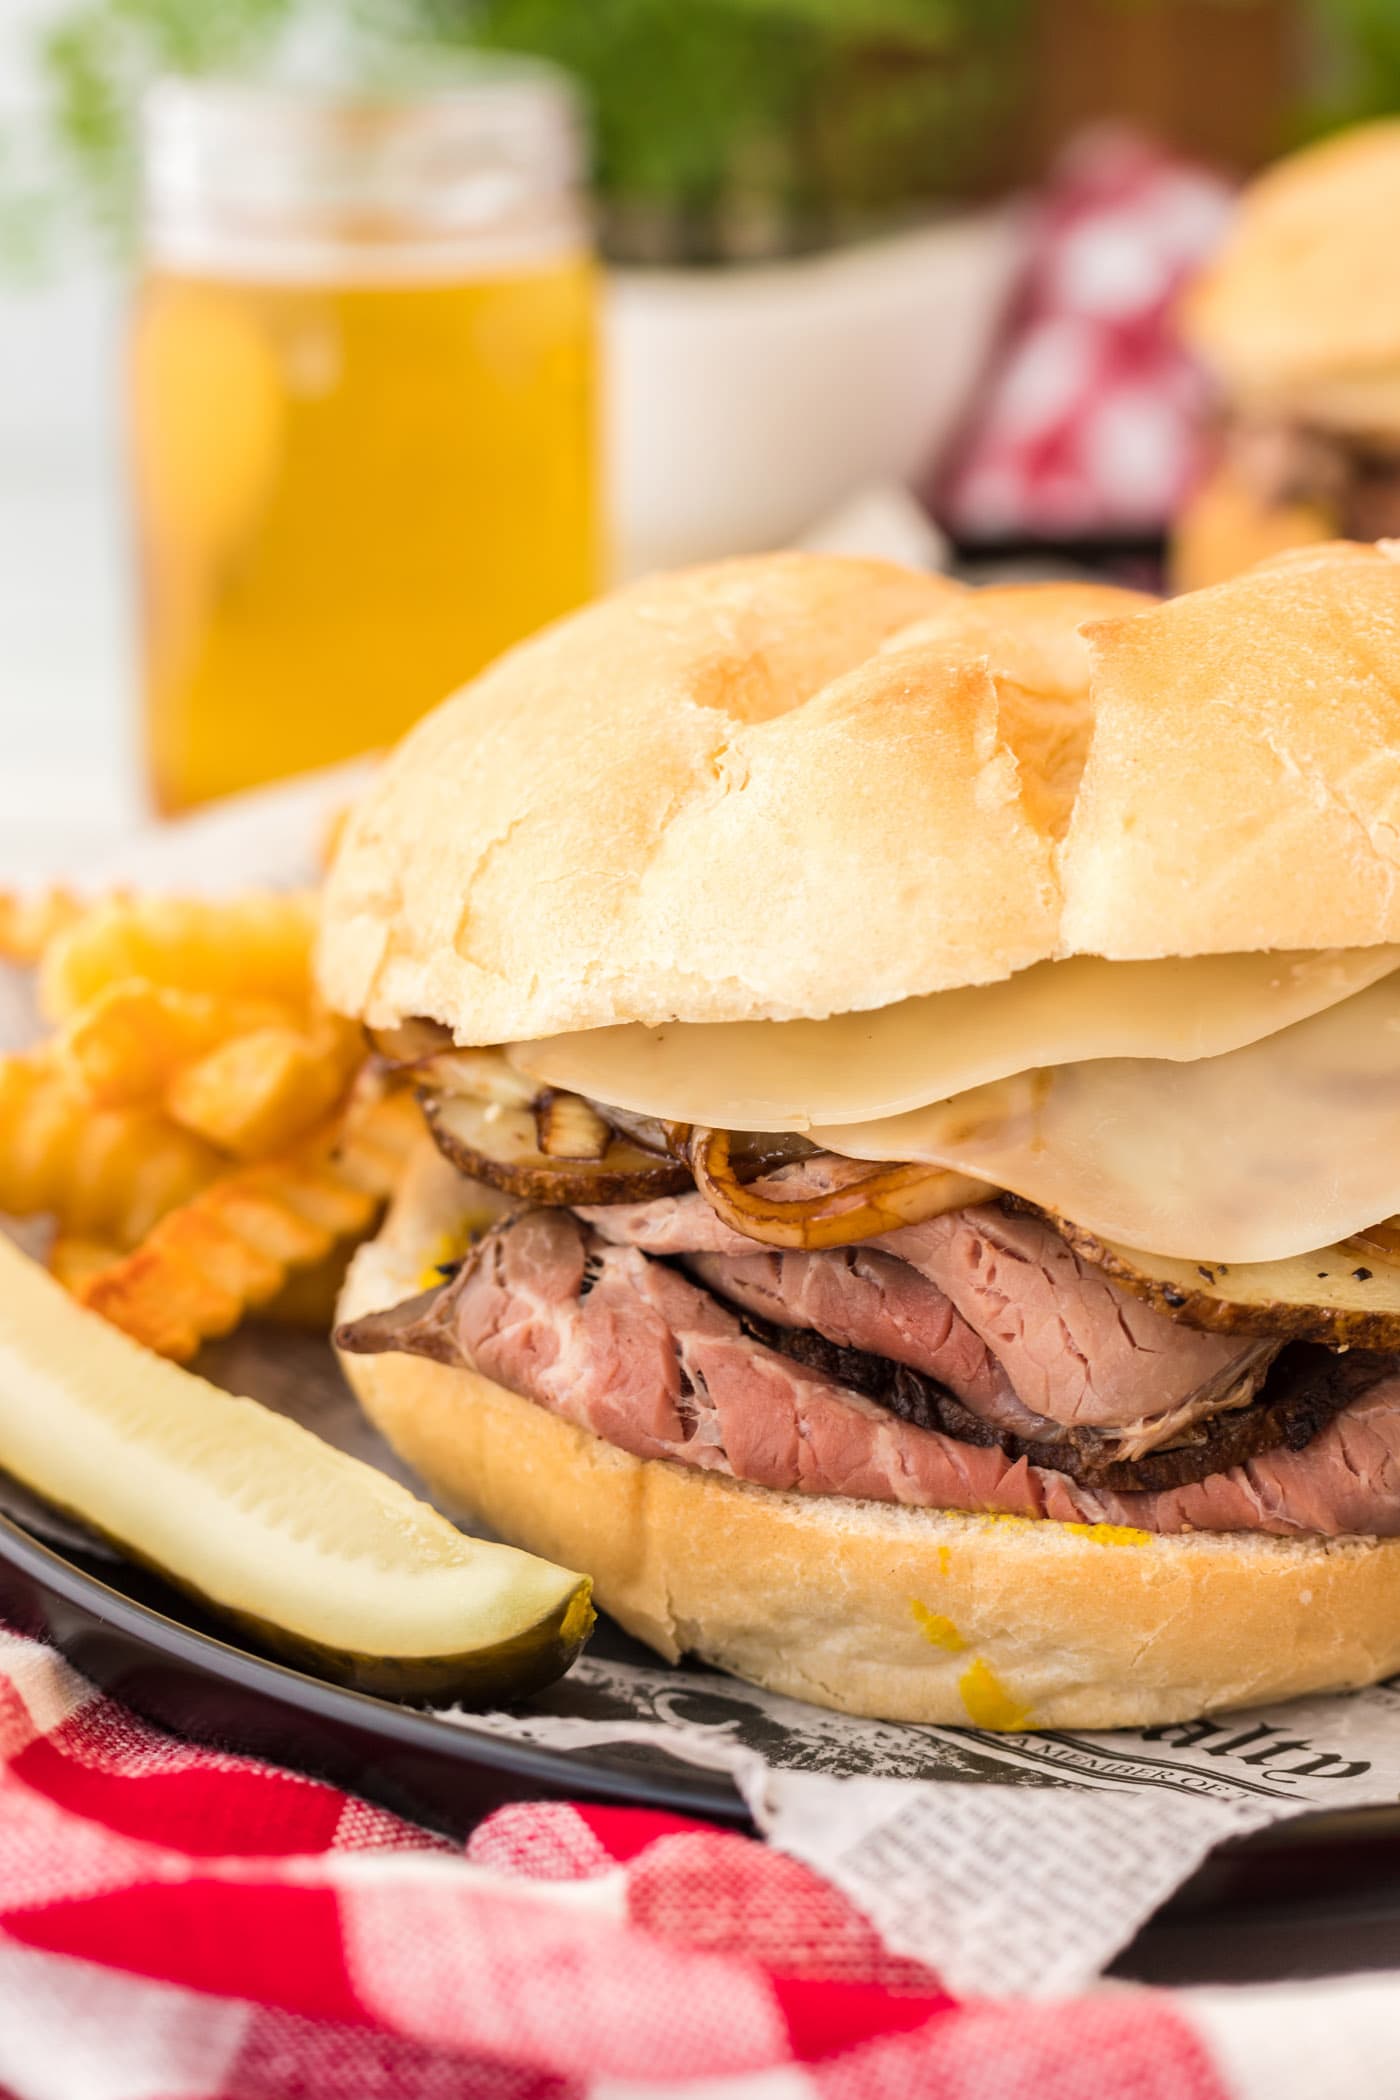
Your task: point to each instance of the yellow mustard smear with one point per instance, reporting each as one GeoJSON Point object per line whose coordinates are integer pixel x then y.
{"type": "Point", "coordinates": [937, 1630]}
{"type": "Point", "coordinates": [1111, 1534]}
{"type": "Point", "coordinates": [447, 1248]}
{"type": "Point", "coordinates": [987, 1701]}
{"type": "Point", "coordinates": [945, 1559]}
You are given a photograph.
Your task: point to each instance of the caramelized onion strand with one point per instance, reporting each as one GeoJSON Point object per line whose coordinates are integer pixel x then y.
{"type": "Point", "coordinates": [880, 1201]}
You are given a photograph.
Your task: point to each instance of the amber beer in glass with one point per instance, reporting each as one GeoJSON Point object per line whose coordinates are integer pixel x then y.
{"type": "Point", "coordinates": [362, 411]}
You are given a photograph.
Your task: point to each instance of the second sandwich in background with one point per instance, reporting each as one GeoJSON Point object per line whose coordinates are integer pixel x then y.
{"type": "Point", "coordinates": [1298, 321]}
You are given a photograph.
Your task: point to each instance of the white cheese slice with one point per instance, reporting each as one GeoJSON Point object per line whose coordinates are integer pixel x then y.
{"type": "Point", "coordinates": [793, 1075]}
{"type": "Point", "coordinates": [1288, 1143]}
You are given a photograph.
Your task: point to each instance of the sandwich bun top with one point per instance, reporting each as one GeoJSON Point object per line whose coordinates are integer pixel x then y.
{"type": "Point", "coordinates": [1301, 307]}
{"type": "Point", "coordinates": [797, 785]}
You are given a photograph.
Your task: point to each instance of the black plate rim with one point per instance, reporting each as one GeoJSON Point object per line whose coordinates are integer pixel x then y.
{"type": "Point", "coordinates": [692, 1791]}
{"type": "Point", "coordinates": [582, 1773]}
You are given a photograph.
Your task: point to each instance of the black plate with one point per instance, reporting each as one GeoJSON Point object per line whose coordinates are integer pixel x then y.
{"type": "Point", "coordinates": [156, 1652]}
{"type": "Point", "coordinates": [1316, 1896]}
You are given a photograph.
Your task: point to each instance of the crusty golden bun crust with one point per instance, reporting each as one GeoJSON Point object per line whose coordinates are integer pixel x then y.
{"type": "Point", "coordinates": [1242, 789]}
{"type": "Point", "coordinates": [1031, 638]}
{"type": "Point", "coordinates": [1224, 528]}
{"type": "Point", "coordinates": [899, 1614]}
{"type": "Point", "coordinates": [722, 795]}
{"type": "Point", "coordinates": [796, 786]}
{"type": "Point", "coordinates": [1301, 307]}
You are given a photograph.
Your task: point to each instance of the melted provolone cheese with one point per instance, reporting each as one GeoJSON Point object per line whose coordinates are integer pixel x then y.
{"type": "Point", "coordinates": [794, 1075]}
{"type": "Point", "coordinates": [1289, 1143]}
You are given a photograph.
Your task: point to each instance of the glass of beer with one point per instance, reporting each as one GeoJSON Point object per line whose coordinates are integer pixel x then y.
{"type": "Point", "coordinates": [362, 410]}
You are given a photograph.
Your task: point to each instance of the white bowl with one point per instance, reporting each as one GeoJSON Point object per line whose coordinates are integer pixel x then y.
{"type": "Point", "coordinates": [745, 402]}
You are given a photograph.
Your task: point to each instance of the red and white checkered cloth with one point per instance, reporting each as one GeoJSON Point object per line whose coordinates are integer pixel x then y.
{"type": "Point", "coordinates": [181, 1925]}
{"type": "Point", "coordinates": [1089, 422]}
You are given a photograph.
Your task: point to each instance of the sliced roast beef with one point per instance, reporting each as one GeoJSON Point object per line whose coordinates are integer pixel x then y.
{"type": "Point", "coordinates": [1307, 1390]}
{"type": "Point", "coordinates": [671, 1225]}
{"type": "Point", "coordinates": [1071, 1347]}
{"type": "Point", "coordinates": [1075, 1347]}
{"type": "Point", "coordinates": [861, 1299]}
{"type": "Point", "coordinates": [634, 1351]}
{"type": "Point", "coordinates": [687, 1225]}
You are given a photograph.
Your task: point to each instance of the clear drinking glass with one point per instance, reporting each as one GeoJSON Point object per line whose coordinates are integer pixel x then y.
{"type": "Point", "coordinates": [362, 400]}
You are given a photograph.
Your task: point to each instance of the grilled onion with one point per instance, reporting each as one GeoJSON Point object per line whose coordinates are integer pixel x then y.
{"type": "Point", "coordinates": [755, 1152]}
{"type": "Point", "coordinates": [500, 1146]}
{"type": "Point", "coordinates": [875, 1202]}
{"type": "Point", "coordinates": [556, 1148]}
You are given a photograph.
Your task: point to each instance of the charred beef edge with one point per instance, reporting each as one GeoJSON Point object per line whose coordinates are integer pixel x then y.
{"type": "Point", "coordinates": [1305, 1388]}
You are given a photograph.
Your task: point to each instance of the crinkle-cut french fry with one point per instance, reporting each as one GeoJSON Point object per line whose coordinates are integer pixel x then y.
{"type": "Point", "coordinates": [256, 946]}
{"type": "Point", "coordinates": [261, 1092]}
{"type": "Point", "coordinates": [29, 920]}
{"type": "Point", "coordinates": [230, 1249]}
{"type": "Point", "coordinates": [379, 1131]}
{"type": "Point", "coordinates": [103, 1173]}
{"type": "Point", "coordinates": [73, 1260]}
{"type": "Point", "coordinates": [124, 1049]}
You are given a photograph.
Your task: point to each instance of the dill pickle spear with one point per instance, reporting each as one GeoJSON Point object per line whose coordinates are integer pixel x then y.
{"type": "Point", "coordinates": [324, 1559]}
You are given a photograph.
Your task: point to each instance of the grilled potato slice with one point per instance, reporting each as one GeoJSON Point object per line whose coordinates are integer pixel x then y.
{"type": "Point", "coordinates": [500, 1146]}
{"type": "Point", "coordinates": [1347, 1296]}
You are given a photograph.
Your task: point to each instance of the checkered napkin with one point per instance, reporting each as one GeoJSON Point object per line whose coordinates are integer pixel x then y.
{"type": "Point", "coordinates": [177, 1924]}
{"type": "Point", "coordinates": [1088, 423]}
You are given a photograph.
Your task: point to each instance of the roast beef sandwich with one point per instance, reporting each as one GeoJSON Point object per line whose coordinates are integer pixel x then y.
{"type": "Point", "coordinates": [911, 1095]}
{"type": "Point", "coordinates": [1298, 321]}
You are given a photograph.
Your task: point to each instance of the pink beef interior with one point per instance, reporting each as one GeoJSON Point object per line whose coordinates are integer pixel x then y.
{"type": "Point", "coordinates": [997, 1308]}
{"type": "Point", "coordinates": [623, 1344]}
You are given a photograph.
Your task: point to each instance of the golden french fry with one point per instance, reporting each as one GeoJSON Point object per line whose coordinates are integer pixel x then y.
{"type": "Point", "coordinates": [103, 1173]}
{"type": "Point", "coordinates": [124, 1049]}
{"type": "Point", "coordinates": [261, 1092]}
{"type": "Point", "coordinates": [29, 922]}
{"type": "Point", "coordinates": [230, 1248]}
{"type": "Point", "coordinates": [189, 1035]}
{"type": "Point", "coordinates": [73, 1259]}
{"type": "Point", "coordinates": [252, 947]}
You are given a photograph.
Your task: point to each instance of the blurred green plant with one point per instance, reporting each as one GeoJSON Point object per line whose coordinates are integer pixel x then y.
{"type": "Point", "coordinates": [722, 128]}
{"type": "Point", "coordinates": [94, 63]}
{"type": "Point", "coordinates": [753, 126]}
{"type": "Point", "coordinates": [1362, 63]}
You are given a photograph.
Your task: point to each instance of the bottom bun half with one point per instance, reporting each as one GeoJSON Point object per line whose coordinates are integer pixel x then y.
{"type": "Point", "coordinates": [875, 1609]}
